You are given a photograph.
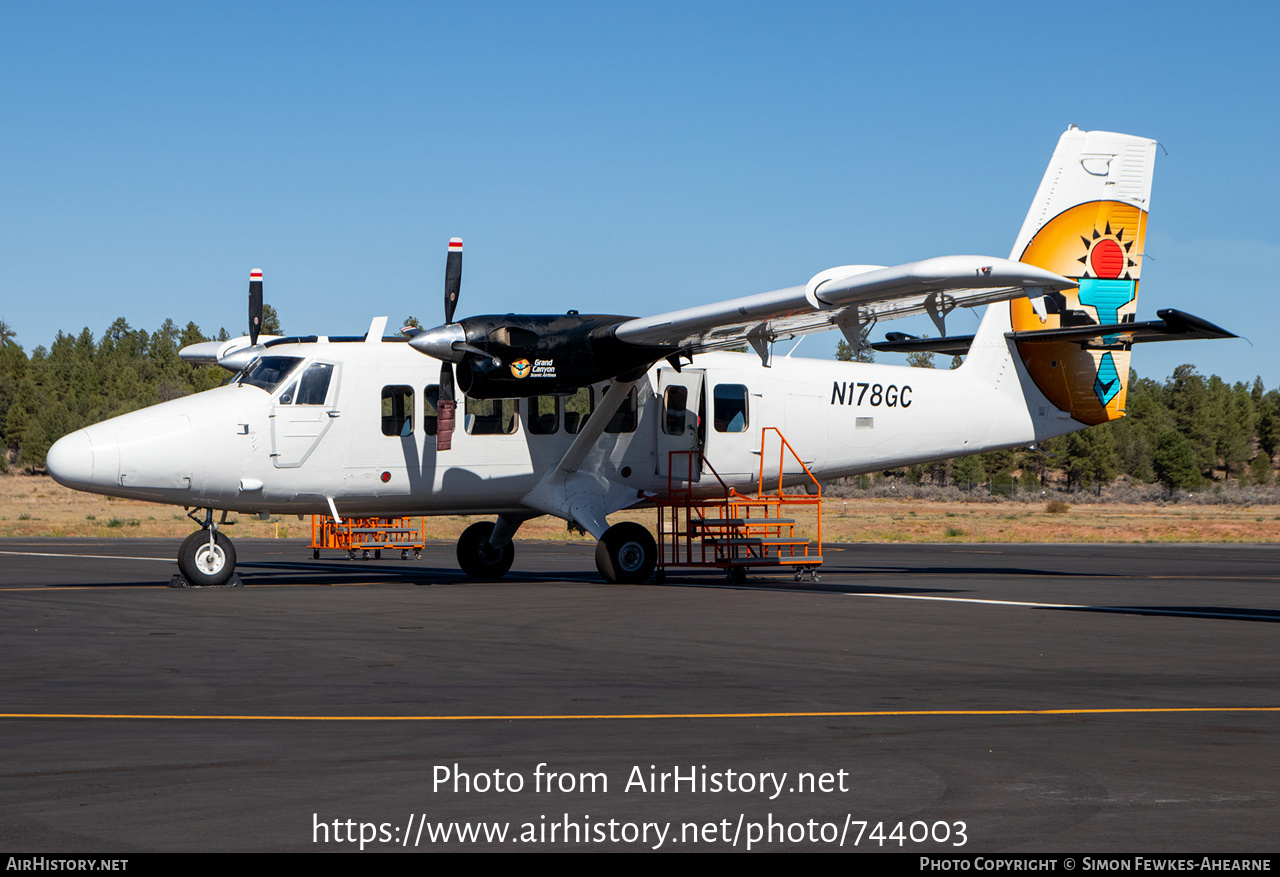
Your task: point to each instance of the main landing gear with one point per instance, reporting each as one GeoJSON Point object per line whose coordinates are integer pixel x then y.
{"type": "Point", "coordinates": [479, 558]}
{"type": "Point", "coordinates": [626, 554]}
{"type": "Point", "coordinates": [207, 559]}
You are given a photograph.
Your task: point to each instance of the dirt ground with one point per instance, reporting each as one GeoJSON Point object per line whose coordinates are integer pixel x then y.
{"type": "Point", "coordinates": [37, 506]}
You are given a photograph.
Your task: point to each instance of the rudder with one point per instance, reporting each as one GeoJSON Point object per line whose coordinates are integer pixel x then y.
{"type": "Point", "coordinates": [1088, 222]}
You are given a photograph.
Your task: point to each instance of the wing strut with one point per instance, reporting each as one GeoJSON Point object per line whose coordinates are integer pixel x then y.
{"type": "Point", "coordinates": [584, 497]}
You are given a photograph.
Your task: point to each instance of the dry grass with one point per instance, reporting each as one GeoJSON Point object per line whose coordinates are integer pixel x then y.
{"type": "Point", "coordinates": [37, 506]}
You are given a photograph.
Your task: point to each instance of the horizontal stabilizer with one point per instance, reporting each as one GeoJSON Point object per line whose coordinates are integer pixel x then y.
{"type": "Point", "coordinates": [901, 342]}
{"type": "Point", "coordinates": [1172, 326]}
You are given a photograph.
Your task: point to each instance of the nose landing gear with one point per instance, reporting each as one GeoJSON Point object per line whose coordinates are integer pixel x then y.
{"type": "Point", "coordinates": [207, 559]}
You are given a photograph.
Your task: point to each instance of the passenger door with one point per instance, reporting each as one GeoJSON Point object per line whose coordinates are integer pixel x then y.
{"type": "Point", "coordinates": [681, 422]}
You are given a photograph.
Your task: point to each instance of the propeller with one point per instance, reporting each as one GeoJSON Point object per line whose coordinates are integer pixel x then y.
{"type": "Point", "coordinates": [511, 356]}
{"type": "Point", "coordinates": [255, 305]}
{"type": "Point", "coordinates": [446, 406]}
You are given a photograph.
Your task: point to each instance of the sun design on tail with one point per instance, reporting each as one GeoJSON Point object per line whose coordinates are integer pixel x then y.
{"type": "Point", "coordinates": [1106, 258]}
{"type": "Point", "coordinates": [1107, 255]}
{"type": "Point", "coordinates": [1100, 243]}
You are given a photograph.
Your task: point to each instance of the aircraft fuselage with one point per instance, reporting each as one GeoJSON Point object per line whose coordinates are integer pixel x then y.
{"type": "Point", "coordinates": [368, 441]}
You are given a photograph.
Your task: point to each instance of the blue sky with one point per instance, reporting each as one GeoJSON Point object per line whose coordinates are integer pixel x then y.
{"type": "Point", "coordinates": [612, 157]}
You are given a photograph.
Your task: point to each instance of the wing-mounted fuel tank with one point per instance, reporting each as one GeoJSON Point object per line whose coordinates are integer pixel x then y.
{"type": "Point", "coordinates": [513, 355]}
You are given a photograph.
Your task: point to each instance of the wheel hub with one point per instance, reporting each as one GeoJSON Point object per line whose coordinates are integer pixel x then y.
{"type": "Point", "coordinates": [631, 557]}
{"type": "Point", "coordinates": [210, 559]}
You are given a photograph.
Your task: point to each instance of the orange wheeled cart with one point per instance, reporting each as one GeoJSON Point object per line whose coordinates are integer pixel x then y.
{"type": "Point", "coordinates": [362, 535]}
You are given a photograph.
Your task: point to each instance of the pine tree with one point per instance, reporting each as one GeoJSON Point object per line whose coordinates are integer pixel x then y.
{"type": "Point", "coordinates": [270, 321]}
{"type": "Point", "coordinates": [1175, 461]}
{"type": "Point", "coordinates": [1260, 468]}
{"type": "Point", "coordinates": [922, 359]}
{"type": "Point", "coordinates": [967, 472]}
{"type": "Point", "coordinates": [1187, 398]}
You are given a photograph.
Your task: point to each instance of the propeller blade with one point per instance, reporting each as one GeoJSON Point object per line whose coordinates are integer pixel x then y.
{"type": "Point", "coordinates": [445, 409]}
{"type": "Point", "coordinates": [446, 406]}
{"type": "Point", "coordinates": [255, 304]}
{"type": "Point", "coordinates": [452, 278]}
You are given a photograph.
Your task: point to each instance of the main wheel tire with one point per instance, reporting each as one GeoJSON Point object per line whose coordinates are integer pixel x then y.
{"type": "Point", "coordinates": [204, 565]}
{"type": "Point", "coordinates": [480, 560]}
{"type": "Point", "coordinates": [626, 554]}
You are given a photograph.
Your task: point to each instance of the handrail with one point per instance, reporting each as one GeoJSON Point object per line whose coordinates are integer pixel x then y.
{"type": "Point", "coordinates": [719, 528]}
{"type": "Point", "coordinates": [782, 451]}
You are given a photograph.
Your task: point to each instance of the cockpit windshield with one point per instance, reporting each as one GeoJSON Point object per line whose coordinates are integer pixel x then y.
{"type": "Point", "coordinates": [267, 372]}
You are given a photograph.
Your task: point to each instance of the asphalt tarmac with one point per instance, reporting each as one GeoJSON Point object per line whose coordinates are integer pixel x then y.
{"type": "Point", "coordinates": [966, 698]}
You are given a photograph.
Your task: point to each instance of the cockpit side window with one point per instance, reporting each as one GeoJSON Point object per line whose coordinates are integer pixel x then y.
{"type": "Point", "coordinates": [314, 386]}
{"type": "Point", "coordinates": [268, 372]}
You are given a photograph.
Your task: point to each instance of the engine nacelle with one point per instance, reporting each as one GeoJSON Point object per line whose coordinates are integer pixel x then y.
{"type": "Point", "coordinates": [536, 355]}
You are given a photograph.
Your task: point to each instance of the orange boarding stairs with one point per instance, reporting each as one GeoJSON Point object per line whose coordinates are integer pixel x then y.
{"type": "Point", "coordinates": [734, 532]}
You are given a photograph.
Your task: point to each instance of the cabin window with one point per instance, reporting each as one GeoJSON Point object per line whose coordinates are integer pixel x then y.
{"type": "Point", "coordinates": [313, 389]}
{"type": "Point", "coordinates": [577, 408]}
{"type": "Point", "coordinates": [268, 372]}
{"type": "Point", "coordinates": [624, 419]}
{"type": "Point", "coordinates": [397, 410]}
{"type": "Point", "coordinates": [544, 415]}
{"type": "Point", "coordinates": [674, 401]}
{"type": "Point", "coordinates": [490, 416]}
{"type": "Point", "coordinates": [730, 408]}
{"type": "Point", "coordinates": [430, 408]}
{"type": "Point", "coordinates": [286, 398]}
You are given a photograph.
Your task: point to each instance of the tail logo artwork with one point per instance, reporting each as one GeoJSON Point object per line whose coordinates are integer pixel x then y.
{"type": "Point", "coordinates": [1099, 242]}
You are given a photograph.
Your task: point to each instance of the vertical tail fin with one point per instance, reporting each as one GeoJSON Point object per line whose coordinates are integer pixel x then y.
{"type": "Point", "coordinates": [1088, 221]}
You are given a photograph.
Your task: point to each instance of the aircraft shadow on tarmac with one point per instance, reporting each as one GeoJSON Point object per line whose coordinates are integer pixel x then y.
{"type": "Point", "coordinates": [304, 573]}
{"type": "Point", "coordinates": [1217, 613]}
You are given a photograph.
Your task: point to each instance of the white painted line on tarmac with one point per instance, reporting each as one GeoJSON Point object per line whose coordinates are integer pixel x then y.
{"type": "Point", "coordinates": [94, 556]}
{"type": "Point", "coordinates": [1124, 610]}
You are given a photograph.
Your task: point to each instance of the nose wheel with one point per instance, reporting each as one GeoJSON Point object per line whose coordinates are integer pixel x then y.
{"type": "Point", "coordinates": [207, 562]}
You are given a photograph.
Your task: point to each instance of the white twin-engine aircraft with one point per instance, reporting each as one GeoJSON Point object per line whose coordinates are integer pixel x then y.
{"type": "Point", "coordinates": [575, 415]}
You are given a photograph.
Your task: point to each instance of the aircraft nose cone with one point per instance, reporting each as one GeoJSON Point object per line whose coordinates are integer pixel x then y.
{"type": "Point", "coordinates": [70, 460]}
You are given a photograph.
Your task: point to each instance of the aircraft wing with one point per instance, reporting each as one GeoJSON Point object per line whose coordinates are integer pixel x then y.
{"type": "Point", "coordinates": [232, 355]}
{"type": "Point", "coordinates": [844, 298]}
